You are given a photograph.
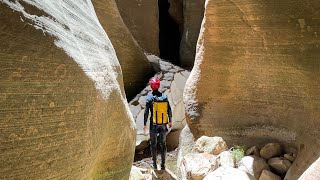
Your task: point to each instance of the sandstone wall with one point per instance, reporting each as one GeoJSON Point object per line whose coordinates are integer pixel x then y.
{"type": "Point", "coordinates": [63, 113]}
{"type": "Point", "coordinates": [176, 12]}
{"type": "Point", "coordinates": [141, 18]}
{"type": "Point", "coordinates": [192, 17]}
{"type": "Point", "coordinates": [134, 64]}
{"type": "Point", "coordinates": [256, 76]}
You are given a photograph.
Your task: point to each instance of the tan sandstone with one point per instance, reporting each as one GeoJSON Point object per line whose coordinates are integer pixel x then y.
{"type": "Point", "coordinates": [59, 118]}
{"type": "Point", "coordinates": [192, 18]}
{"type": "Point", "coordinates": [256, 76]}
{"type": "Point", "coordinates": [141, 17]}
{"type": "Point", "coordinates": [135, 66]}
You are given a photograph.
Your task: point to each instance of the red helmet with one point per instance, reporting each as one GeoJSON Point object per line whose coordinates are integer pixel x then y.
{"type": "Point", "coordinates": [154, 83]}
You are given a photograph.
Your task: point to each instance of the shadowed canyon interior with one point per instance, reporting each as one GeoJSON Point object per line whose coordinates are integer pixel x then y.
{"type": "Point", "coordinates": [68, 69]}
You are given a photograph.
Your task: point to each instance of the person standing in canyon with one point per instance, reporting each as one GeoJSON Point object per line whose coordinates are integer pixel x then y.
{"type": "Point", "coordinates": [160, 117]}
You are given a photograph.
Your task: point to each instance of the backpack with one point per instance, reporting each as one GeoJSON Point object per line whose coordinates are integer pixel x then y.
{"type": "Point", "coordinates": [160, 110]}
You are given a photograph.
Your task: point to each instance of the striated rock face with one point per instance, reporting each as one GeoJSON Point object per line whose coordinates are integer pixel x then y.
{"type": "Point", "coordinates": [192, 17]}
{"type": "Point", "coordinates": [63, 112]}
{"type": "Point", "coordinates": [256, 76]}
{"type": "Point", "coordinates": [135, 66]}
{"type": "Point", "coordinates": [141, 18]}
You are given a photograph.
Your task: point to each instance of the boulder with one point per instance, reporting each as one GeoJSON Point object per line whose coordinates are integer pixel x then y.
{"type": "Point", "coordinates": [289, 149]}
{"type": "Point", "coordinates": [192, 17]}
{"type": "Point", "coordinates": [253, 165]}
{"type": "Point", "coordinates": [255, 76]}
{"type": "Point", "coordinates": [226, 159]}
{"type": "Point", "coordinates": [267, 175]}
{"type": "Point", "coordinates": [228, 173]}
{"type": "Point", "coordinates": [197, 165]}
{"type": "Point", "coordinates": [210, 145]}
{"type": "Point", "coordinates": [279, 165]}
{"type": "Point", "coordinates": [186, 144]}
{"type": "Point", "coordinates": [313, 172]}
{"type": "Point", "coordinates": [62, 98]}
{"type": "Point", "coordinates": [270, 150]}
{"type": "Point", "coordinates": [253, 151]}
{"type": "Point", "coordinates": [172, 140]}
{"type": "Point", "coordinates": [135, 66]}
{"type": "Point", "coordinates": [178, 116]}
{"type": "Point", "coordinates": [136, 174]}
{"type": "Point", "coordinates": [155, 62]}
{"type": "Point", "coordinates": [290, 157]}
{"type": "Point", "coordinates": [142, 17]}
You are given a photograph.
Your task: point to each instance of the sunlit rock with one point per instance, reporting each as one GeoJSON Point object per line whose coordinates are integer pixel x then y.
{"type": "Point", "coordinates": [63, 110]}
{"type": "Point", "coordinates": [256, 76]}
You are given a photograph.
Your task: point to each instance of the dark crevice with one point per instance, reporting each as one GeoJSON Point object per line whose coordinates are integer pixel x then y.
{"type": "Point", "coordinates": [169, 35]}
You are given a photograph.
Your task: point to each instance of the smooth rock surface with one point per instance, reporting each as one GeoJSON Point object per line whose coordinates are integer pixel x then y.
{"type": "Point", "coordinates": [226, 159]}
{"type": "Point", "coordinates": [136, 68]}
{"type": "Point", "coordinates": [270, 150]}
{"type": "Point", "coordinates": [62, 98]}
{"type": "Point", "coordinates": [141, 17]}
{"type": "Point", "coordinates": [176, 12]}
{"type": "Point", "coordinates": [313, 172]}
{"type": "Point", "coordinates": [260, 62]}
{"type": "Point", "coordinates": [186, 143]}
{"type": "Point", "coordinates": [192, 17]}
{"type": "Point", "coordinates": [253, 165]}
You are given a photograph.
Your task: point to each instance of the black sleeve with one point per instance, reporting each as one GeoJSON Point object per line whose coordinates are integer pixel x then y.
{"type": "Point", "coordinates": [146, 112]}
{"type": "Point", "coordinates": [169, 112]}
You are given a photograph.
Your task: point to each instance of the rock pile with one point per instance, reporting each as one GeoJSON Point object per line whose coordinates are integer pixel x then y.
{"type": "Point", "coordinates": [210, 157]}
{"type": "Point", "coordinates": [278, 159]}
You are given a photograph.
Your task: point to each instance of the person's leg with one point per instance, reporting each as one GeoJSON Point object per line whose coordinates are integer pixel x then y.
{"type": "Point", "coordinates": [163, 147]}
{"type": "Point", "coordinates": [153, 148]}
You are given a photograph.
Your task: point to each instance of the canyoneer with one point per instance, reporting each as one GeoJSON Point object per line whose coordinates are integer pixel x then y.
{"type": "Point", "coordinates": [157, 103]}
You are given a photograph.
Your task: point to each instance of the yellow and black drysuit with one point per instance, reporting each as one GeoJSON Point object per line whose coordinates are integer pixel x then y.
{"type": "Point", "coordinates": [157, 128]}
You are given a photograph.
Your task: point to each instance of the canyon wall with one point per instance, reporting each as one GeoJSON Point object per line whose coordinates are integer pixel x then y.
{"type": "Point", "coordinates": [135, 66]}
{"type": "Point", "coordinates": [141, 18]}
{"type": "Point", "coordinates": [63, 111]}
{"type": "Point", "coordinates": [192, 18]}
{"type": "Point", "coordinates": [256, 76]}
